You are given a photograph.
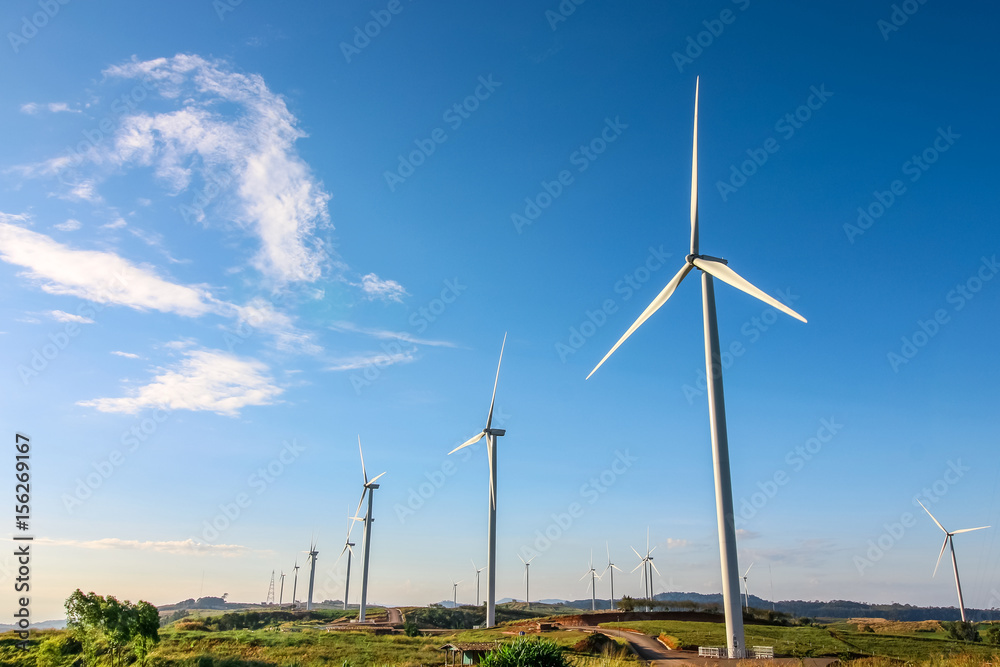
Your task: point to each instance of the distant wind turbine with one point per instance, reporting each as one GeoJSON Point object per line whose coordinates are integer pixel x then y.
{"type": "Point", "coordinates": [646, 563]}
{"type": "Point", "coordinates": [478, 570]}
{"type": "Point", "coordinates": [717, 268]}
{"type": "Point", "coordinates": [746, 586]}
{"type": "Point", "coordinates": [491, 435]}
{"type": "Point", "coordinates": [454, 592]}
{"type": "Point", "coordinates": [295, 582]}
{"type": "Point", "coordinates": [593, 583]}
{"type": "Point", "coordinates": [281, 594]}
{"type": "Point", "coordinates": [368, 489]}
{"type": "Point", "coordinates": [312, 574]}
{"type": "Point", "coordinates": [949, 541]}
{"type": "Point", "coordinates": [527, 580]}
{"type": "Point", "coordinates": [349, 548]}
{"type": "Point", "coordinates": [611, 568]}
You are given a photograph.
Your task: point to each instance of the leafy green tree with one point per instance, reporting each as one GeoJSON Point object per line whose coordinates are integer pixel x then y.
{"type": "Point", "coordinates": [993, 634]}
{"type": "Point", "coordinates": [124, 627]}
{"type": "Point", "coordinates": [961, 631]}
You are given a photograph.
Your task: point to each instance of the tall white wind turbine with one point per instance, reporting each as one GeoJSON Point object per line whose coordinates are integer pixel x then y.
{"type": "Point", "coordinates": [349, 548]}
{"type": "Point", "coordinates": [312, 574]}
{"type": "Point", "coordinates": [646, 563]}
{"type": "Point", "coordinates": [592, 573]}
{"type": "Point", "coordinates": [491, 435]}
{"type": "Point", "coordinates": [295, 582]}
{"type": "Point", "coordinates": [949, 541]}
{"type": "Point", "coordinates": [478, 570]}
{"type": "Point", "coordinates": [527, 581]}
{"type": "Point", "coordinates": [611, 568]}
{"type": "Point", "coordinates": [454, 592]}
{"type": "Point", "coordinates": [368, 489]}
{"type": "Point", "coordinates": [746, 586]}
{"type": "Point", "coordinates": [281, 593]}
{"type": "Point", "coordinates": [713, 267]}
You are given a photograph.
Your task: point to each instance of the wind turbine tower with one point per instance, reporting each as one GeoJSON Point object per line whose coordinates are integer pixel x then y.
{"type": "Point", "coordinates": [478, 570]}
{"type": "Point", "coordinates": [713, 267]}
{"type": "Point", "coordinates": [491, 435]}
{"type": "Point", "coordinates": [281, 594]}
{"type": "Point", "coordinates": [527, 580]}
{"type": "Point", "coordinates": [611, 568]}
{"type": "Point", "coordinates": [746, 586]}
{"type": "Point", "coordinates": [312, 574]}
{"type": "Point", "coordinates": [950, 542]}
{"type": "Point", "coordinates": [593, 583]}
{"type": "Point", "coordinates": [369, 490]}
{"type": "Point", "coordinates": [454, 592]}
{"type": "Point", "coordinates": [295, 581]}
{"type": "Point", "coordinates": [349, 548]}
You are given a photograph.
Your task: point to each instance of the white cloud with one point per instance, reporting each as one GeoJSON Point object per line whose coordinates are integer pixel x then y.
{"type": "Point", "coordinates": [209, 380]}
{"type": "Point", "coordinates": [99, 276]}
{"type": "Point", "coordinates": [181, 547]}
{"type": "Point", "coordinates": [386, 290]}
{"type": "Point", "coordinates": [279, 198]}
{"type": "Point", "coordinates": [62, 316]}
{"type": "Point", "coordinates": [71, 225]}
{"type": "Point", "coordinates": [384, 334]}
{"type": "Point", "coordinates": [33, 108]}
{"type": "Point", "coordinates": [379, 360]}
{"type": "Point", "coordinates": [261, 314]}
{"type": "Point", "coordinates": [127, 355]}
{"type": "Point", "coordinates": [117, 223]}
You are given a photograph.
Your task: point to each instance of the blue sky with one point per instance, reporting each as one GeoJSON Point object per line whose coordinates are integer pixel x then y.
{"type": "Point", "coordinates": [235, 236]}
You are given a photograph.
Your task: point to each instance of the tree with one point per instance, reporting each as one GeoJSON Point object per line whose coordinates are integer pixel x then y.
{"type": "Point", "coordinates": [122, 625]}
{"type": "Point", "coordinates": [961, 630]}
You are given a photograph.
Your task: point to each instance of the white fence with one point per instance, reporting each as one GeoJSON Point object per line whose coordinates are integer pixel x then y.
{"type": "Point", "coordinates": [722, 652]}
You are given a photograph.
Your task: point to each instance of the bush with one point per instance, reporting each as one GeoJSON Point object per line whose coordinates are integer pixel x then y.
{"type": "Point", "coordinates": [961, 631]}
{"type": "Point", "coordinates": [524, 652]}
{"type": "Point", "coordinates": [411, 629]}
{"type": "Point", "coordinates": [993, 635]}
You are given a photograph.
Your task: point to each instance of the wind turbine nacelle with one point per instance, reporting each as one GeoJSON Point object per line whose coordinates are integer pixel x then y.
{"type": "Point", "coordinates": [496, 431]}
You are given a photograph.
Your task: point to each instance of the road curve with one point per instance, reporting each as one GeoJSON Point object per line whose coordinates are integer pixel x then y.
{"type": "Point", "coordinates": [395, 617]}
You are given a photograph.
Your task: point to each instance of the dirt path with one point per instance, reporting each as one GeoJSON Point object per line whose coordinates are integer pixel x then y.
{"type": "Point", "coordinates": [395, 617]}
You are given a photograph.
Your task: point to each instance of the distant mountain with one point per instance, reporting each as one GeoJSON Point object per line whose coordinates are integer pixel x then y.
{"type": "Point", "coordinates": [44, 625]}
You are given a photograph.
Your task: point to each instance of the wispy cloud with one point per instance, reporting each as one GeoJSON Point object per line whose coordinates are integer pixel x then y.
{"type": "Point", "coordinates": [385, 334]}
{"type": "Point", "coordinates": [376, 359]}
{"type": "Point", "coordinates": [206, 380]}
{"type": "Point", "coordinates": [383, 290]}
{"type": "Point", "coordinates": [70, 225]}
{"type": "Point", "coordinates": [32, 108]}
{"type": "Point", "coordinates": [127, 355]}
{"type": "Point", "coordinates": [180, 547]}
{"type": "Point", "coordinates": [62, 316]}
{"type": "Point", "coordinates": [99, 276]}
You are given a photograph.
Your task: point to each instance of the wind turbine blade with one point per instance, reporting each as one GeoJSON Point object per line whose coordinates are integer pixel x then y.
{"type": "Point", "coordinates": [748, 569]}
{"type": "Point", "coordinates": [585, 575]}
{"type": "Point", "coordinates": [637, 554]}
{"type": "Point", "coordinates": [969, 530]}
{"type": "Point", "coordinates": [613, 566]}
{"type": "Point", "coordinates": [660, 299]}
{"type": "Point", "coordinates": [694, 175]}
{"type": "Point", "coordinates": [727, 275]}
{"type": "Point", "coordinates": [363, 472]}
{"type": "Point", "coordinates": [471, 441]}
{"type": "Point", "coordinates": [608, 547]}
{"type": "Point", "coordinates": [932, 517]}
{"type": "Point", "coordinates": [491, 463]}
{"type": "Point", "coordinates": [372, 481]}
{"type": "Point", "coordinates": [943, 547]}
{"type": "Point", "coordinates": [532, 558]}
{"type": "Point", "coordinates": [489, 419]}
{"type": "Point", "coordinates": [638, 566]}
{"type": "Point", "coordinates": [651, 551]}
{"type": "Point", "coordinates": [653, 565]}
{"type": "Point", "coordinates": [522, 560]}
{"type": "Point", "coordinates": [360, 502]}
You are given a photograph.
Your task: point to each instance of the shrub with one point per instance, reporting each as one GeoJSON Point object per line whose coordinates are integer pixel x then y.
{"type": "Point", "coordinates": [961, 631]}
{"type": "Point", "coordinates": [523, 652]}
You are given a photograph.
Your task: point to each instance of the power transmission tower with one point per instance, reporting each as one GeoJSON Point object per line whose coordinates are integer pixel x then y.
{"type": "Point", "coordinates": [270, 590]}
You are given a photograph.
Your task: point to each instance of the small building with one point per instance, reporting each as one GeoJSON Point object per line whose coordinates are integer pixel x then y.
{"type": "Point", "coordinates": [466, 653]}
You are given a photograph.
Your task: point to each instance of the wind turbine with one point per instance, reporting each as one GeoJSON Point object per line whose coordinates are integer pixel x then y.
{"type": "Point", "coordinates": [295, 582]}
{"type": "Point", "coordinates": [527, 580]}
{"type": "Point", "coordinates": [454, 592]}
{"type": "Point", "coordinates": [491, 453]}
{"type": "Point", "coordinates": [349, 548]}
{"type": "Point", "coordinates": [478, 570]}
{"type": "Point", "coordinates": [746, 586]}
{"type": "Point", "coordinates": [949, 541]}
{"type": "Point", "coordinates": [369, 489]}
{"type": "Point", "coordinates": [312, 574]}
{"type": "Point", "coordinates": [281, 594]}
{"type": "Point", "coordinates": [646, 562]}
{"type": "Point", "coordinates": [713, 267]}
{"type": "Point", "coordinates": [611, 568]}
{"type": "Point", "coordinates": [593, 583]}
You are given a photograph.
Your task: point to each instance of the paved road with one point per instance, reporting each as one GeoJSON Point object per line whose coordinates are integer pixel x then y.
{"type": "Point", "coordinates": [395, 617]}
